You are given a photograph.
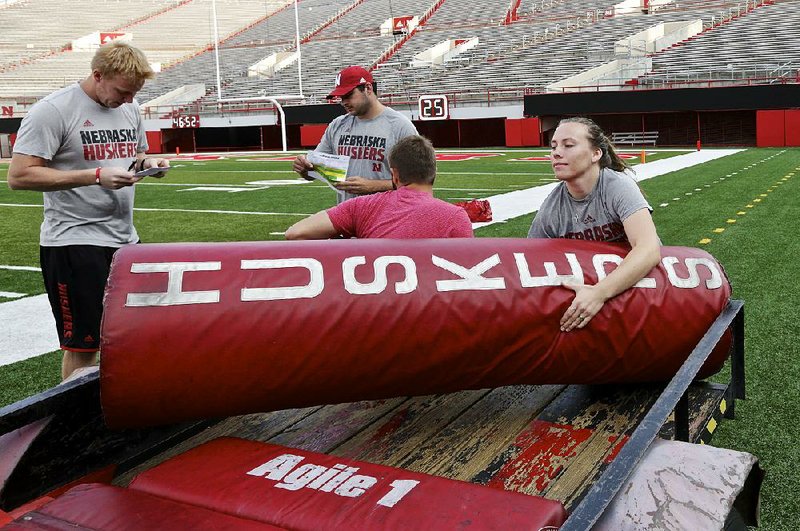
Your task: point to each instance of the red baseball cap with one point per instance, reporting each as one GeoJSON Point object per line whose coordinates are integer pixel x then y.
{"type": "Point", "coordinates": [348, 79]}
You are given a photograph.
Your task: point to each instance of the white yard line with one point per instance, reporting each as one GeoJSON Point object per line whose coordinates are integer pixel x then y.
{"type": "Point", "coordinates": [220, 212]}
{"type": "Point", "coordinates": [20, 268]}
{"type": "Point", "coordinates": [21, 205]}
{"type": "Point", "coordinates": [29, 329]}
{"type": "Point", "coordinates": [137, 209]}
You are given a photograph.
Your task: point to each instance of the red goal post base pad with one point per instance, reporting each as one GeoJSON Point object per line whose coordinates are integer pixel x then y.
{"type": "Point", "coordinates": [212, 330]}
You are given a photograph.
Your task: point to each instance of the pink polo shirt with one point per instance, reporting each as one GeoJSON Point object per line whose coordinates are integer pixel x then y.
{"type": "Point", "coordinates": [403, 214]}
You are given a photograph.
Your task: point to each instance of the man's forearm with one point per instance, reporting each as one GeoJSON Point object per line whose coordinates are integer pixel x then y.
{"type": "Point", "coordinates": [44, 179]}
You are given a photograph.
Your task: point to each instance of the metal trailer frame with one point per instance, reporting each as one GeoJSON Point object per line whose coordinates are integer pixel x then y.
{"type": "Point", "coordinates": [74, 407]}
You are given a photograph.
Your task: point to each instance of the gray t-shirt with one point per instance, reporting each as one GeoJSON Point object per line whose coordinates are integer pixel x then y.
{"type": "Point", "coordinates": [598, 216]}
{"type": "Point", "coordinates": [367, 142]}
{"type": "Point", "coordinates": [71, 131]}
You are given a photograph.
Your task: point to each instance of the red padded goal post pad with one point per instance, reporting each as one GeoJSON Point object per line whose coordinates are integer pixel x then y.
{"type": "Point", "coordinates": [304, 490]}
{"type": "Point", "coordinates": [212, 330]}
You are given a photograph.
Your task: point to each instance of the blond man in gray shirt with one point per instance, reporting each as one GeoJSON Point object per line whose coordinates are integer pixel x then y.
{"type": "Point", "coordinates": [81, 146]}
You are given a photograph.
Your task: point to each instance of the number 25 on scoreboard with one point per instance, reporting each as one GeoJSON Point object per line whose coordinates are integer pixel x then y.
{"type": "Point", "coordinates": [433, 107]}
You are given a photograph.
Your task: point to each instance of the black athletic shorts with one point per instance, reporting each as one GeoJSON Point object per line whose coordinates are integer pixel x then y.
{"type": "Point", "coordinates": [75, 279]}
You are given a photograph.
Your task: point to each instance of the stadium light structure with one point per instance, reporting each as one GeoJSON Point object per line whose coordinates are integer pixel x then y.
{"type": "Point", "coordinates": [271, 99]}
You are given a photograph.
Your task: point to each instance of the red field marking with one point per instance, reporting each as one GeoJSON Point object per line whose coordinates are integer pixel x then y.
{"type": "Point", "coordinates": [543, 447]}
{"type": "Point", "coordinates": [463, 156]}
{"type": "Point", "coordinates": [196, 157]}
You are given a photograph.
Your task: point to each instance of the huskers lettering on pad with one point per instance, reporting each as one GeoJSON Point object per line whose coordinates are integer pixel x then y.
{"type": "Point", "coordinates": [262, 326]}
{"type": "Point", "coordinates": [467, 278]}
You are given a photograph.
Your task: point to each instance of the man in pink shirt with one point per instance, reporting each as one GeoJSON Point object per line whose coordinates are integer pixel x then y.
{"type": "Point", "coordinates": [407, 211]}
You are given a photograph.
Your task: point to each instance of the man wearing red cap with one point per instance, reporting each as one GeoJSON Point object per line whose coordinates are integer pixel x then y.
{"type": "Point", "coordinates": [366, 134]}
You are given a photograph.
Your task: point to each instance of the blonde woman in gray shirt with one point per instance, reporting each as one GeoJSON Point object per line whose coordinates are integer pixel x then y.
{"type": "Point", "coordinates": [596, 200]}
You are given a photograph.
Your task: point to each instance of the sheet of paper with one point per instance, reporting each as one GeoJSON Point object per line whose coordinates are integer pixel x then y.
{"type": "Point", "coordinates": [328, 168]}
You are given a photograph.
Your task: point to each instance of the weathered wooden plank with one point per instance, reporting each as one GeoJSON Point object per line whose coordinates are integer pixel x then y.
{"type": "Point", "coordinates": [627, 408]}
{"type": "Point", "coordinates": [63, 397]}
{"type": "Point", "coordinates": [533, 439]}
{"type": "Point", "coordinates": [393, 437]}
{"type": "Point", "coordinates": [466, 445]}
{"type": "Point", "coordinates": [626, 413]}
{"type": "Point", "coordinates": [559, 453]}
{"type": "Point", "coordinates": [258, 427]}
{"type": "Point", "coordinates": [330, 426]}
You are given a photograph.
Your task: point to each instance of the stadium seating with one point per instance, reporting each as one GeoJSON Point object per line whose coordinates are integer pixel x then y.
{"type": "Point", "coordinates": [546, 41]}
{"type": "Point", "coordinates": [740, 48]}
{"type": "Point", "coordinates": [166, 30]}
{"type": "Point", "coordinates": [29, 30]}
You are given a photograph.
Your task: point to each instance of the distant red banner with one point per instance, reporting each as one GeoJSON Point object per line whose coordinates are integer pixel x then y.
{"type": "Point", "coordinates": [400, 24]}
{"type": "Point", "coordinates": [197, 157]}
{"type": "Point", "coordinates": [269, 159]}
{"type": "Point", "coordinates": [108, 37]}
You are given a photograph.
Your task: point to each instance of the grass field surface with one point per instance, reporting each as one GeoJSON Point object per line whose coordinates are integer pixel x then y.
{"type": "Point", "coordinates": [743, 209]}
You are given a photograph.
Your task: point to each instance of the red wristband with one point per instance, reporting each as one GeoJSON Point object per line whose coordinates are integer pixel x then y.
{"type": "Point", "coordinates": [97, 176]}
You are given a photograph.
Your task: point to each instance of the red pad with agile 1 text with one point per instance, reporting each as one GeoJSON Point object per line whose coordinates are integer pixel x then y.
{"type": "Point", "coordinates": [297, 489]}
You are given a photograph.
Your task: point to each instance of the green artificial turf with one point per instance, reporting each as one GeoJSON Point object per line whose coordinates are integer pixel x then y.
{"type": "Point", "coordinates": [753, 196]}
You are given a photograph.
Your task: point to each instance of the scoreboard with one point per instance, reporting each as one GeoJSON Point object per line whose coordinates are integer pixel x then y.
{"type": "Point", "coordinates": [187, 121]}
{"type": "Point", "coordinates": [433, 107]}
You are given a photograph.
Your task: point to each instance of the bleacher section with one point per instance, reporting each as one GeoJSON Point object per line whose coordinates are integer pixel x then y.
{"type": "Point", "coordinates": [531, 53]}
{"type": "Point", "coordinates": [30, 29]}
{"type": "Point", "coordinates": [547, 41]}
{"type": "Point", "coordinates": [740, 48]}
{"type": "Point", "coordinates": [166, 31]}
{"type": "Point", "coordinates": [349, 39]}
